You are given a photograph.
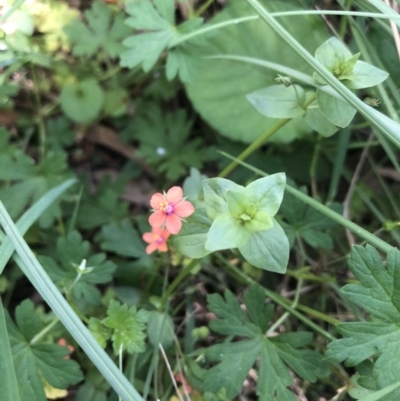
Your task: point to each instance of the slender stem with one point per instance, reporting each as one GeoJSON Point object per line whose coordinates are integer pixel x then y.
{"type": "Point", "coordinates": [211, 28]}
{"type": "Point", "coordinates": [11, 10]}
{"type": "Point", "coordinates": [178, 279]}
{"type": "Point", "coordinates": [285, 303]}
{"type": "Point", "coordinates": [43, 332]}
{"type": "Point", "coordinates": [203, 8]}
{"type": "Point", "coordinates": [40, 120]}
{"type": "Point", "coordinates": [260, 141]}
{"type": "Point", "coordinates": [287, 314]}
{"type": "Point", "coordinates": [313, 166]}
{"type": "Point", "coordinates": [120, 364]}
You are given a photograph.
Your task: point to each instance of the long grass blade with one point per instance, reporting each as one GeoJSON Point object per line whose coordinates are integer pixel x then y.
{"type": "Point", "coordinates": [30, 216]}
{"type": "Point", "coordinates": [50, 293]}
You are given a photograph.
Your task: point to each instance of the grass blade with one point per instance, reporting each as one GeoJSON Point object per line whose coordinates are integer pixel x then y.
{"type": "Point", "coordinates": [383, 123]}
{"type": "Point", "coordinates": [50, 293]}
{"type": "Point", "coordinates": [8, 379]}
{"type": "Point", "coordinates": [30, 216]}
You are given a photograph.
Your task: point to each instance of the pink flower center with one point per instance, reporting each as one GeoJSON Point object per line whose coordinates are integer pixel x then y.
{"type": "Point", "coordinates": [158, 239]}
{"type": "Point", "coordinates": [166, 207]}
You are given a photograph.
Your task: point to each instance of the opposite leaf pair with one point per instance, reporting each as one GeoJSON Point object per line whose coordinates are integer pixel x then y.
{"type": "Point", "coordinates": [239, 217]}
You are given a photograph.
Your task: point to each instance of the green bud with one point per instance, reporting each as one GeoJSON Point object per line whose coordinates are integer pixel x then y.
{"type": "Point", "coordinates": [251, 209]}
{"type": "Point", "coordinates": [200, 333]}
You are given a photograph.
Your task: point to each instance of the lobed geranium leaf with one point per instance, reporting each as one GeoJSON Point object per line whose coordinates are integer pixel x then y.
{"type": "Point", "coordinates": [128, 327]}
{"type": "Point", "coordinates": [103, 31]}
{"type": "Point", "coordinates": [379, 294]}
{"type": "Point", "coordinates": [71, 251]}
{"type": "Point", "coordinates": [235, 359]}
{"type": "Point", "coordinates": [158, 32]}
{"type": "Point", "coordinates": [311, 225]}
{"type": "Point", "coordinates": [34, 362]}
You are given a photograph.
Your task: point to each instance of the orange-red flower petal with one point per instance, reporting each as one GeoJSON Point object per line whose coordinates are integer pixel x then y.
{"type": "Point", "coordinates": [174, 195]}
{"type": "Point", "coordinates": [157, 219]}
{"type": "Point", "coordinates": [156, 199]}
{"type": "Point", "coordinates": [173, 223]}
{"type": "Point", "coordinates": [184, 209]}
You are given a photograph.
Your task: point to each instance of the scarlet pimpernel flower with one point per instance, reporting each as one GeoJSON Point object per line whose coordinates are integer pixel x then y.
{"type": "Point", "coordinates": [169, 209]}
{"type": "Point", "coordinates": [157, 240]}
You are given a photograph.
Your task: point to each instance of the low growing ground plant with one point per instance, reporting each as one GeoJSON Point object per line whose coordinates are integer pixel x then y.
{"type": "Point", "coordinates": [198, 200]}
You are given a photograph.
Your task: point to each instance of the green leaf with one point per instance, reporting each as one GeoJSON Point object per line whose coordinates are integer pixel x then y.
{"type": "Point", "coordinates": [267, 192]}
{"type": "Point", "coordinates": [365, 75]}
{"type": "Point", "coordinates": [279, 101]}
{"type": "Point", "coordinates": [37, 361]}
{"type": "Point", "coordinates": [219, 91]}
{"type": "Point", "coordinates": [215, 190]}
{"type": "Point", "coordinates": [337, 111]}
{"type": "Point", "coordinates": [318, 122]}
{"type": "Point", "coordinates": [128, 327]}
{"type": "Point", "coordinates": [82, 101]}
{"type": "Point", "coordinates": [105, 206]}
{"type": "Point", "coordinates": [226, 232]}
{"type": "Point", "coordinates": [31, 181]}
{"type": "Point", "coordinates": [165, 140]}
{"type": "Point", "coordinates": [99, 331]}
{"type": "Point", "coordinates": [123, 240]}
{"type": "Point", "coordinates": [268, 249]}
{"type": "Point", "coordinates": [308, 223]}
{"type": "Point", "coordinates": [8, 379]}
{"type": "Point", "coordinates": [71, 251]}
{"type": "Point", "coordinates": [45, 287]}
{"type": "Point", "coordinates": [235, 359]}
{"type": "Point", "coordinates": [158, 32]}
{"type": "Point", "coordinates": [379, 294]}
{"type": "Point", "coordinates": [160, 329]}
{"type": "Point", "coordinates": [102, 32]}
{"type": "Point", "coordinates": [192, 238]}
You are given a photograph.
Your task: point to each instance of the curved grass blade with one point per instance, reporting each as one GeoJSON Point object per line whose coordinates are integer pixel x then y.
{"type": "Point", "coordinates": [30, 216]}
{"type": "Point", "coordinates": [8, 379]}
{"type": "Point", "coordinates": [383, 123]}
{"type": "Point", "coordinates": [355, 228]}
{"type": "Point", "coordinates": [50, 293]}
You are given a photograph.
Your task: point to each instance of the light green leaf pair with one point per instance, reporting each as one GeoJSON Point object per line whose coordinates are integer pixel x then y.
{"type": "Point", "coordinates": [243, 218]}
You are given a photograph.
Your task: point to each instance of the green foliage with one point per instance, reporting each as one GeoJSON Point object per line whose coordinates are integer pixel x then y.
{"type": "Point", "coordinates": [64, 271]}
{"type": "Point", "coordinates": [35, 362]}
{"type": "Point", "coordinates": [103, 32]}
{"type": "Point", "coordinates": [103, 207]}
{"type": "Point", "coordinates": [378, 293]}
{"type": "Point", "coordinates": [164, 140]}
{"type": "Point", "coordinates": [354, 73]}
{"type": "Point", "coordinates": [124, 326]}
{"type": "Point", "coordinates": [276, 353]}
{"type": "Point", "coordinates": [219, 91]}
{"type": "Point", "coordinates": [122, 239]}
{"type": "Point", "coordinates": [156, 21]}
{"type": "Point", "coordinates": [82, 101]}
{"type": "Point", "coordinates": [160, 329]}
{"type": "Point", "coordinates": [304, 221]}
{"type": "Point", "coordinates": [279, 101]}
{"type": "Point", "coordinates": [242, 218]}
{"type": "Point", "coordinates": [27, 181]}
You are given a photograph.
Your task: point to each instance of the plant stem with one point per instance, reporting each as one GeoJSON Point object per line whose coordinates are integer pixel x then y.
{"type": "Point", "coordinates": [260, 141]}
{"type": "Point", "coordinates": [11, 10]}
{"type": "Point", "coordinates": [120, 365]}
{"type": "Point", "coordinates": [178, 279]}
{"type": "Point", "coordinates": [313, 167]}
{"type": "Point", "coordinates": [43, 332]}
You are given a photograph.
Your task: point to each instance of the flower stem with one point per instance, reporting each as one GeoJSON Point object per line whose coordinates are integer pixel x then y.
{"type": "Point", "coordinates": [43, 332]}
{"type": "Point", "coordinates": [261, 140]}
{"type": "Point", "coordinates": [178, 279]}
